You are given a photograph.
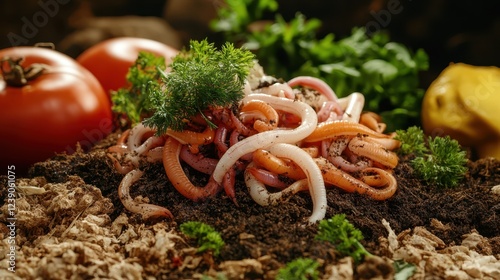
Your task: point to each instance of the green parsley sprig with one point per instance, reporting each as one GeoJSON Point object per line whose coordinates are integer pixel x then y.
{"type": "Point", "coordinates": [133, 101]}
{"type": "Point", "coordinates": [201, 78]}
{"type": "Point", "coordinates": [440, 160]}
{"type": "Point", "coordinates": [206, 236]}
{"type": "Point", "coordinates": [344, 236]}
{"type": "Point", "coordinates": [299, 269]}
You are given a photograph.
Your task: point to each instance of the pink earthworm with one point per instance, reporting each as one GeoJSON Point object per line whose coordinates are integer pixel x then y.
{"type": "Point", "coordinates": [337, 147]}
{"type": "Point", "coordinates": [198, 161]}
{"type": "Point", "coordinates": [314, 83]}
{"type": "Point", "coordinates": [266, 177]}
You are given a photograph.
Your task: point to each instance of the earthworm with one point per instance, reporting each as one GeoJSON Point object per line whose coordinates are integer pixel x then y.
{"type": "Point", "coordinates": [313, 175]}
{"type": "Point", "coordinates": [267, 138]}
{"type": "Point", "coordinates": [373, 151]}
{"type": "Point", "coordinates": [331, 129]}
{"type": "Point", "coordinates": [348, 183]}
{"type": "Point", "coordinates": [335, 150]}
{"type": "Point", "coordinates": [269, 112]}
{"type": "Point", "coordinates": [329, 111]}
{"type": "Point", "coordinates": [228, 184]}
{"type": "Point", "coordinates": [263, 197]}
{"type": "Point", "coordinates": [239, 126]}
{"type": "Point", "coordinates": [220, 140]}
{"type": "Point", "coordinates": [198, 161]}
{"type": "Point", "coordinates": [235, 138]}
{"type": "Point", "coordinates": [193, 138]}
{"type": "Point", "coordinates": [372, 121]}
{"type": "Point", "coordinates": [314, 83]}
{"type": "Point", "coordinates": [137, 134]}
{"type": "Point", "coordinates": [387, 143]}
{"type": "Point", "coordinates": [146, 210]}
{"type": "Point", "coordinates": [277, 89]}
{"type": "Point", "coordinates": [178, 178]}
{"type": "Point", "coordinates": [120, 146]}
{"type": "Point", "coordinates": [266, 177]}
{"type": "Point", "coordinates": [354, 104]}
{"type": "Point", "coordinates": [277, 165]}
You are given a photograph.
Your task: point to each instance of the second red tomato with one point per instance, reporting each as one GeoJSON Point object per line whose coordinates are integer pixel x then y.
{"type": "Point", "coordinates": [110, 60]}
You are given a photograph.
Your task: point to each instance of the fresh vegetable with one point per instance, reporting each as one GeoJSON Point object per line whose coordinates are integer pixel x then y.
{"type": "Point", "coordinates": [48, 103]}
{"type": "Point", "coordinates": [207, 237]}
{"type": "Point", "coordinates": [439, 160]}
{"type": "Point", "coordinates": [201, 78]}
{"type": "Point", "coordinates": [110, 60]}
{"type": "Point", "coordinates": [341, 233]}
{"type": "Point", "coordinates": [299, 269]}
{"type": "Point", "coordinates": [385, 72]}
{"type": "Point", "coordinates": [463, 103]}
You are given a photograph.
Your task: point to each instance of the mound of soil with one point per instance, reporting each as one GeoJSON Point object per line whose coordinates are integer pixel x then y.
{"type": "Point", "coordinates": [71, 223]}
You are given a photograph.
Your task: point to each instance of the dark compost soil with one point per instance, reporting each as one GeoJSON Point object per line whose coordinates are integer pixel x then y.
{"type": "Point", "coordinates": [271, 235]}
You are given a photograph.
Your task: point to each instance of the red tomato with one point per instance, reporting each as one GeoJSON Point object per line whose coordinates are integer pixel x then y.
{"type": "Point", "coordinates": [51, 113]}
{"type": "Point", "coordinates": [110, 60]}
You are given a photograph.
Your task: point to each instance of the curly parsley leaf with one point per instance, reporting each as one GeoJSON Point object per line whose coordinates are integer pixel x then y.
{"type": "Point", "coordinates": [133, 101]}
{"type": "Point", "coordinates": [412, 141]}
{"type": "Point", "coordinates": [444, 165]}
{"type": "Point", "coordinates": [201, 78]}
{"type": "Point", "coordinates": [206, 236]}
{"type": "Point", "coordinates": [439, 160]}
{"type": "Point", "coordinates": [299, 269]}
{"type": "Point", "coordinates": [344, 236]}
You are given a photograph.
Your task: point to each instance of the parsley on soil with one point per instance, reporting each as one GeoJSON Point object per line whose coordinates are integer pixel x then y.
{"type": "Point", "coordinates": [438, 160]}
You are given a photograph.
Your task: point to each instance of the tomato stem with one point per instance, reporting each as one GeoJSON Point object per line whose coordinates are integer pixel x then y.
{"type": "Point", "coordinates": [16, 75]}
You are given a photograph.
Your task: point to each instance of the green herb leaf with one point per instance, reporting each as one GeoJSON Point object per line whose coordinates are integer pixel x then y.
{"type": "Point", "coordinates": [207, 237]}
{"type": "Point", "coordinates": [344, 236]}
{"type": "Point", "coordinates": [133, 101]}
{"type": "Point", "coordinates": [201, 78]}
{"type": "Point", "coordinates": [412, 141]}
{"type": "Point", "coordinates": [299, 269]}
{"type": "Point", "coordinates": [439, 160]}
{"type": "Point", "coordinates": [444, 165]}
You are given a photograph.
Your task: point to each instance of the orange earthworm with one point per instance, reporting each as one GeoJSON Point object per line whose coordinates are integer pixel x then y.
{"type": "Point", "coordinates": [277, 165]}
{"type": "Point", "coordinates": [178, 178]}
{"type": "Point", "coordinates": [331, 129]}
{"type": "Point", "coordinates": [334, 176]}
{"type": "Point", "coordinates": [372, 121]}
{"type": "Point", "coordinates": [373, 151]}
{"type": "Point", "coordinates": [267, 110]}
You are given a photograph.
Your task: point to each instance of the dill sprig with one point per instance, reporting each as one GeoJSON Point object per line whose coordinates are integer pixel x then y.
{"type": "Point", "coordinates": [201, 78]}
